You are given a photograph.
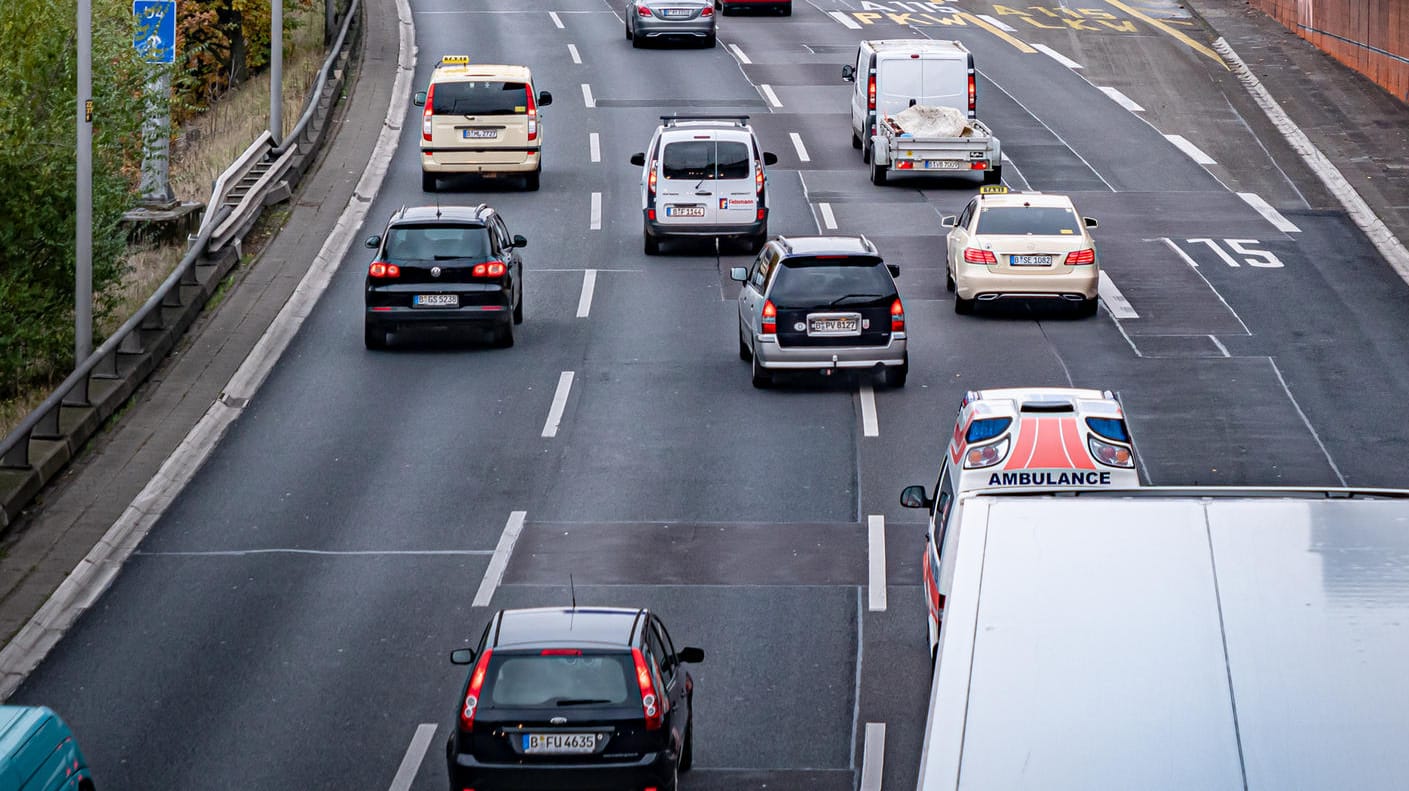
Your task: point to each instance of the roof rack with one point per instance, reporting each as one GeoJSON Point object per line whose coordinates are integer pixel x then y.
{"type": "Point", "coordinates": [736, 120]}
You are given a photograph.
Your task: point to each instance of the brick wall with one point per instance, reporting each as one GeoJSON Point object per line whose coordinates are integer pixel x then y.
{"type": "Point", "coordinates": [1370, 36]}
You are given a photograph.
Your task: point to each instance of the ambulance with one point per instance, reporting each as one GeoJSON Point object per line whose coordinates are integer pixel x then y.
{"type": "Point", "coordinates": [1023, 439]}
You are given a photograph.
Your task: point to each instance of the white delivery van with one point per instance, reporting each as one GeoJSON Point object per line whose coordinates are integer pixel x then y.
{"type": "Point", "coordinates": [889, 75]}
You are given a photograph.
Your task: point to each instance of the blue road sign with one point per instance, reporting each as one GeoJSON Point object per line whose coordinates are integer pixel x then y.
{"type": "Point", "coordinates": [155, 36]}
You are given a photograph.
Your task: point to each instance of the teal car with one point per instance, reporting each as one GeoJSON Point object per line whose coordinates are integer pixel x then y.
{"type": "Point", "coordinates": [38, 752]}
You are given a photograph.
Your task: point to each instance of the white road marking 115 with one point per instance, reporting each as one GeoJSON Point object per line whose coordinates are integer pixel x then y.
{"type": "Point", "coordinates": [1251, 256]}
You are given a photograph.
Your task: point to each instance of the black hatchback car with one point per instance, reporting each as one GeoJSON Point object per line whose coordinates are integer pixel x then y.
{"type": "Point", "coordinates": [444, 266]}
{"type": "Point", "coordinates": [578, 699]}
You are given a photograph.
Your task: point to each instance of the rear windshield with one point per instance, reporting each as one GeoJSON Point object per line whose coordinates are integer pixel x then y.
{"type": "Point", "coordinates": [705, 159]}
{"type": "Point", "coordinates": [480, 98]}
{"type": "Point", "coordinates": [818, 282]}
{"type": "Point", "coordinates": [436, 243]}
{"type": "Point", "coordinates": [1036, 220]}
{"type": "Point", "coordinates": [529, 680]}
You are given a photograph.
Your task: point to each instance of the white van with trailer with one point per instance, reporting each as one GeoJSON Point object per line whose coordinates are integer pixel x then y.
{"type": "Point", "coordinates": [1173, 638]}
{"type": "Point", "coordinates": [914, 105]}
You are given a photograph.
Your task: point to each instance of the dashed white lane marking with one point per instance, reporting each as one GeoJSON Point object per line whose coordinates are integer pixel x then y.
{"type": "Point", "coordinates": [596, 218]}
{"type": "Point", "coordinates": [557, 23]}
{"type": "Point", "coordinates": [873, 757]}
{"type": "Point", "coordinates": [1306, 421]}
{"type": "Point", "coordinates": [560, 402]}
{"type": "Point", "coordinates": [1189, 148]}
{"type": "Point", "coordinates": [1220, 345]}
{"type": "Point", "coordinates": [589, 285]}
{"type": "Point", "coordinates": [594, 146]}
{"type": "Point", "coordinates": [1115, 301]}
{"type": "Point", "coordinates": [770, 95]}
{"type": "Point", "coordinates": [868, 412]}
{"type": "Point", "coordinates": [576, 57]}
{"type": "Point", "coordinates": [846, 21]}
{"type": "Point", "coordinates": [1265, 209]}
{"type": "Point", "coordinates": [998, 23]}
{"type": "Point", "coordinates": [1179, 251]}
{"type": "Point", "coordinates": [1057, 56]}
{"type": "Point", "coordinates": [738, 53]}
{"type": "Point", "coordinates": [801, 149]}
{"type": "Point", "coordinates": [828, 219]}
{"type": "Point", "coordinates": [587, 96]}
{"type": "Point", "coordinates": [415, 753]}
{"type": "Point", "coordinates": [876, 551]}
{"type": "Point", "coordinates": [494, 572]}
{"type": "Point", "coordinates": [1123, 100]}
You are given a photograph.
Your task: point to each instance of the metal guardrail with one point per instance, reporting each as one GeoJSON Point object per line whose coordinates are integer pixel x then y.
{"type": "Point", "coordinates": [221, 223]}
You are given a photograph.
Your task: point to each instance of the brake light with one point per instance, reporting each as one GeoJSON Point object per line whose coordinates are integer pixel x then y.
{"type": "Point", "coordinates": [897, 316]}
{"type": "Point", "coordinates": [1087, 256]}
{"type": "Point", "coordinates": [973, 94]}
{"type": "Point", "coordinates": [560, 652]}
{"type": "Point", "coordinates": [383, 269]}
{"type": "Point", "coordinates": [770, 318]}
{"type": "Point", "coordinates": [532, 114]}
{"type": "Point", "coordinates": [643, 11]}
{"type": "Point", "coordinates": [708, 11]}
{"type": "Point", "coordinates": [973, 255]}
{"type": "Point", "coordinates": [653, 708]}
{"type": "Point", "coordinates": [871, 95]}
{"type": "Point", "coordinates": [651, 179]}
{"type": "Point", "coordinates": [426, 114]}
{"type": "Point", "coordinates": [488, 269]}
{"type": "Point", "coordinates": [467, 714]}
{"type": "Point", "coordinates": [757, 178]}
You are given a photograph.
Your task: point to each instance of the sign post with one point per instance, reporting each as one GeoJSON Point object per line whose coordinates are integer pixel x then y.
{"type": "Point", "coordinates": [83, 213]}
{"type": "Point", "coordinates": [155, 41]}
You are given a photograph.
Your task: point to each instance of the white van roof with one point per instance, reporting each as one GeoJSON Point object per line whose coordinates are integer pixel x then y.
{"type": "Point", "coordinates": [921, 46]}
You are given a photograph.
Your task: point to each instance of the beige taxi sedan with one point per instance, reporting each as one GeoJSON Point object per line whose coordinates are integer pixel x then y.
{"type": "Point", "coordinates": [1021, 246]}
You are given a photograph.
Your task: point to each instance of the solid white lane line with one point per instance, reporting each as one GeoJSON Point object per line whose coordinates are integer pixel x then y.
{"type": "Point", "coordinates": [828, 219]}
{"type": "Point", "coordinates": [1123, 100]}
{"type": "Point", "coordinates": [576, 56]}
{"type": "Point", "coordinates": [998, 23]}
{"type": "Point", "coordinates": [846, 21]}
{"type": "Point", "coordinates": [801, 149]}
{"type": "Point", "coordinates": [594, 146]}
{"type": "Point", "coordinates": [1189, 148]}
{"type": "Point", "coordinates": [560, 401]}
{"type": "Point", "coordinates": [770, 95]}
{"type": "Point", "coordinates": [557, 23]}
{"type": "Point", "coordinates": [415, 753]}
{"type": "Point", "coordinates": [876, 551]}
{"type": "Point", "coordinates": [589, 285]}
{"type": "Point", "coordinates": [868, 412]}
{"type": "Point", "coordinates": [1307, 422]}
{"type": "Point", "coordinates": [873, 757]}
{"type": "Point", "coordinates": [1115, 301]}
{"type": "Point", "coordinates": [1220, 345]}
{"type": "Point", "coordinates": [1195, 266]}
{"type": "Point", "coordinates": [1265, 209]}
{"type": "Point", "coordinates": [738, 53]}
{"type": "Point", "coordinates": [596, 219]}
{"type": "Point", "coordinates": [1057, 56]}
{"type": "Point", "coordinates": [587, 96]}
{"type": "Point", "coordinates": [494, 572]}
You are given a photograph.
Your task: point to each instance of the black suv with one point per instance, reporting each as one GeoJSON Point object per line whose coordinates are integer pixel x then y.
{"type": "Point", "coordinates": [576, 698]}
{"type": "Point", "coordinates": [444, 265]}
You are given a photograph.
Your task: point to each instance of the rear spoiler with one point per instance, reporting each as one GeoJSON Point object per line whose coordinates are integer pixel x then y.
{"type": "Point", "coordinates": [737, 120]}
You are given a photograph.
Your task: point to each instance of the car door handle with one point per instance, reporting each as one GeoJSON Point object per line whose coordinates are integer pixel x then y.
{"type": "Point", "coordinates": [703, 192]}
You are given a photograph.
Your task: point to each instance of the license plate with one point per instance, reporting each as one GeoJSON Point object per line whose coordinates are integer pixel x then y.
{"type": "Point", "coordinates": [559, 743]}
{"type": "Point", "coordinates": [479, 134]}
{"type": "Point", "coordinates": [676, 13]}
{"type": "Point", "coordinates": [1030, 260]}
{"type": "Point", "coordinates": [436, 300]}
{"type": "Point", "coordinates": [942, 164]}
{"type": "Point", "coordinates": [834, 326]}
{"type": "Point", "coordinates": [684, 211]}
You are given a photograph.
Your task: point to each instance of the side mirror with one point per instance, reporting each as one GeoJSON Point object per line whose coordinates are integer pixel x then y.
{"type": "Point", "coordinates": [770, 158]}
{"type": "Point", "coordinates": [948, 221]}
{"type": "Point", "coordinates": [915, 497]}
{"type": "Point", "coordinates": [1090, 222]}
{"type": "Point", "coordinates": [739, 273]}
{"type": "Point", "coordinates": [544, 98]}
{"type": "Point", "coordinates": [691, 655]}
{"type": "Point", "coordinates": [639, 159]}
{"type": "Point", "coordinates": [894, 269]}
{"type": "Point", "coordinates": [462, 656]}
{"type": "Point", "coordinates": [519, 241]}
{"type": "Point", "coordinates": [373, 242]}
{"type": "Point", "coordinates": [419, 99]}
{"type": "Point", "coordinates": [848, 73]}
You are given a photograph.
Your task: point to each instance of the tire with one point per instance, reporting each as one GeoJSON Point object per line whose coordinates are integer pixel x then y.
{"type": "Point", "coordinates": [963, 307]}
{"type": "Point", "coordinates": [865, 154]}
{"type": "Point", "coordinates": [878, 172]}
{"type": "Point", "coordinates": [994, 176]}
{"type": "Point", "coordinates": [948, 278]}
{"type": "Point", "coordinates": [687, 753]}
{"type": "Point", "coordinates": [856, 141]}
{"type": "Point", "coordinates": [787, 9]}
{"type": "Point", "coordinates": [518, 311]}
{"type": "Point", "coordinates": [756, 242]}
{"type": "Point", "coordinates": [428, 182]}
{"type": "Point", "coordinates": [1087, 309]}
{"type": "Point", "coordinates": [374, 337]}
{"type": "Point", "coordinates": [532, 180]}
{"type": "Point", "coordinates": [504, 337]}
{"type": "Point", "coordinates": [650, 244]}
{"type": "Point", "coordinates": [896, 375]}
{"type": "Point", "coordinates": [629, 36]}
{"type": "Point", "coordinates": [761, 378]}
{"type": "Point", "coordinates": [745, 353]}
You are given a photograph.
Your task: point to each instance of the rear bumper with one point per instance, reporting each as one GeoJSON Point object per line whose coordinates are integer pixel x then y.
{"type": "Point", "coordinates": [485, 315]}
{"type": "Point", "coordinates": [660, 229]}
{"type": "Point", "coordinates": [450, 160]}
{"type": "Point", "coordinates": [774, 357]}
{"type": "Point", "coordinates": [653, 28]}
{"type": "Point", "coordinates": [653, 769]}
{"type": "Point", "coordinates": [977, 282]}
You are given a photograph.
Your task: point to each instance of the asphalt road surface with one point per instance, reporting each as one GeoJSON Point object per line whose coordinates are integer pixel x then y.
{"type": "Point", "coordinates": [287, 624]}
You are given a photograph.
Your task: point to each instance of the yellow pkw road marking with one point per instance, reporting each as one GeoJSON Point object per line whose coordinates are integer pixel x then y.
{"type": "Point", "coordinates": [1196, 46]}
{"type": "Point", "coordinates": [1014, 40]}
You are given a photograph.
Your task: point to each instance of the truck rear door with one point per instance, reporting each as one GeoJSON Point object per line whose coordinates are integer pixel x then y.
{"type": "Point", "coordinates": [686, 188]}
{"type": "Point", "coordinates": [928, 80]}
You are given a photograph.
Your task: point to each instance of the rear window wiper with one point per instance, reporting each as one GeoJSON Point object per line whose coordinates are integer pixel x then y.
{"type": "Point", "coordinates": [581, 701]}
{"type": "Point", "coordinates": [840, 300]}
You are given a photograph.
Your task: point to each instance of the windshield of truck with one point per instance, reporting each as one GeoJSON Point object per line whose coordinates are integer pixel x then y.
{"type": "Point", "coordinates": [1029, 220]}
{"type": "Point", "coordinates": [934, 82]}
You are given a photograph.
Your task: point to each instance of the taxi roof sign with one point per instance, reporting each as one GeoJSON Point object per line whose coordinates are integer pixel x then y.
{"type": "Point", "coordinates": [455, 60]}
{"type": "Point", "coordinates": [993, 189]}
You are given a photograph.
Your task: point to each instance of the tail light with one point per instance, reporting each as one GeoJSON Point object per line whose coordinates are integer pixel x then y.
{"type": "Point", "coordinates": [758, 178]}
{"type": "Point", "coordinates": [871, 95]}
{"type": "Point", "coordinates": [985, 455]}
{"type": "Point", "coordinates": [651, 179]}
{"type": "Point", "coordinates": [708, 11]}
{"type": "Point", "coordinates": [897, 316]}
{"type": "Point", "coordinates": [1087, 256]}
{"type": "Point", "coordinates": [643, 11]}
{"type": "Point", "coordinates": [383, 269]}
{"type": "Point", "coordinates": [973, 95]}
{"type": "Point", "coordinates": [467, 714]}
{"type": "Point", "coordinates": [1111, 455]}
{"type": "Point", "coordinates": [488, 269]}
{"type": "Point", "coordinates": [651, 706]}
{"type": "Point", "coordinates": [979, 165]}
{"type": "Point", "coordinates": [770, 318]}
{"type": "Point", "coordinates": [973, 255]}
{"type": "Point", "coordinates": [426, 114]}
{"type": "Point", "coordinates": [532, 114]}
